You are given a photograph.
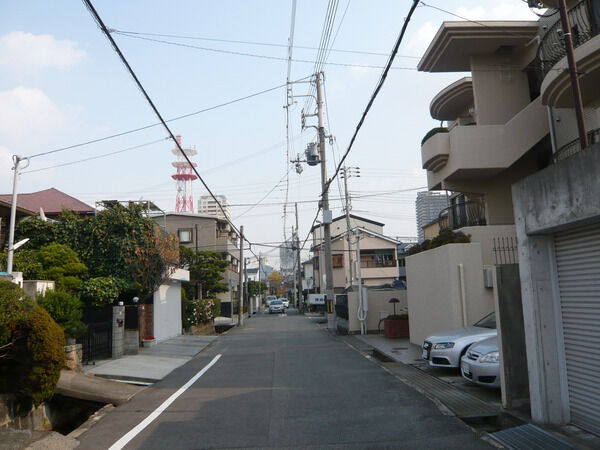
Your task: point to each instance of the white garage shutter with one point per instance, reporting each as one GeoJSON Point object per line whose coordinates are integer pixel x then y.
{"type": "Point", "coordinates": [578, 266]}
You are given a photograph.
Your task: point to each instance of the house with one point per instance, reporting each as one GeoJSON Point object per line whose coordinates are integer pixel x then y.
{"type": "Point", "coordinates": [557, 216]}
{"type": "Point", "coordinates": [21, 213]}
{"type": "Point", "coordinates": [51, 201]}
{"type": "Point", "coordinates": [378, 253]}
{"type": "Point", "coordinates": [209, 232]}
{"type": "Point", "coordinates": [512, 159]}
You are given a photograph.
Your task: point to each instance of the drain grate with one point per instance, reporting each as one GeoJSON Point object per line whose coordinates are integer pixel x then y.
{"type": "Point", "coordinates": [460, 403]}
{"type": "Point", "coordinates": [529, 437]}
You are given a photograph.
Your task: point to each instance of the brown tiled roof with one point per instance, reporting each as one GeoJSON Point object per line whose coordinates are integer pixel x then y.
{"type": "Point", "coordinates": [52, 201]}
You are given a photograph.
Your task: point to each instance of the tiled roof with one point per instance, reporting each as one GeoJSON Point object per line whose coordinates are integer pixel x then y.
{"type": "Point", "coordinates": [52, 201]}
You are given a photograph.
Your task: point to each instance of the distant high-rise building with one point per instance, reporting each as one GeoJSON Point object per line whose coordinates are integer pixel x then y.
{"type": "Point", "coordinates": [208, 205]}
{"type": "Point", "coordinates": [287, 258]}
{"type": "Point", "coordinates": [429, 204]}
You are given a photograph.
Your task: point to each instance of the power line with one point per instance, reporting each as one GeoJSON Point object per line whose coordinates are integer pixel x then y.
{"type": "Point", "coordinates": [266, 44]}
{"type": "Point", "coordinates": [145, 127]}
{"type": "Point", "coordinates": [375, 93]}
{"type": "Point", "coordinates": [254, 55]}
{"type": "Point", "coordinates": [100, 23]}
{"type": "Point", "coordinates": [266, 195]}
{"type": "Point", "coordinates": [104, 155]}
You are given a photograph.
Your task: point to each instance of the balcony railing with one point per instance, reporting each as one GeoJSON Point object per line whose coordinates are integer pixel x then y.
{"type": "Point", "coordinates": [574, 146]}
{"type": "Point", "coordinates": [463, 214]}
{"type": "Point", "coordinates": [584, 27]}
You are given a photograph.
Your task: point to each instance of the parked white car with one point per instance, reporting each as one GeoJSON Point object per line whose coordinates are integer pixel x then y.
{"type": "Point", "coordinates": [445, 348]}
{"type": "Point", "coordinates": [269, 299]}
{"type": "Point", "coordinates": [285, 301]}
{"type": "Point", "coordinates": [481, 363]}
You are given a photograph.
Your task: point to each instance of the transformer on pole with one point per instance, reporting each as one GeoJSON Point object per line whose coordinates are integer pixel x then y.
{"type": "Point", "coordinates": [184, 176]}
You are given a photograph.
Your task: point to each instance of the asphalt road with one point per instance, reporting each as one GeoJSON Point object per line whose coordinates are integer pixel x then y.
{"type": "Point", "coordinates": [282, 382]}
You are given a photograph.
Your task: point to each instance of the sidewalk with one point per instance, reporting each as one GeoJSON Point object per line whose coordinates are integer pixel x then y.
{"type": "Point", "coordinates": [151, 364]}
{"type": "Point", "coordinates": [475, 405]}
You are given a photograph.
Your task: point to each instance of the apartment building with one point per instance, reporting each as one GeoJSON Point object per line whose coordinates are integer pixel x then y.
{"type": "Point", "coordinates": [429, 204]}
{"type": "Point", "coordinates": [208, 232]}
{"type": "Point", "coordinates": [208, 205]}
{"type": "Point", "coordinates": [378, 253]}
{"type": "Point", "coordinates": [511, 153]}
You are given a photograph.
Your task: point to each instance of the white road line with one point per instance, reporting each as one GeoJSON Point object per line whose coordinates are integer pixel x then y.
{"type": "Point", "coordinates": [158, 411]}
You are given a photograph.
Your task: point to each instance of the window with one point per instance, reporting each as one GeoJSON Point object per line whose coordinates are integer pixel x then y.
{"type": "Point", "coordinates": [337, 261]}
{"type": "Point", "coordinates": [185, 235]}
{"type": "Point", "coordinates": [377, 258]}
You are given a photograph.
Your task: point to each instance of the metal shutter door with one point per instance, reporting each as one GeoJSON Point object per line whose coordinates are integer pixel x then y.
{"type": "Point", "coordinates": [578, 268]}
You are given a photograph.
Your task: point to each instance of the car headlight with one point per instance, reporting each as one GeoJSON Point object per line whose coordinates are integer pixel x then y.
{"type": "Point", "coordinates": [443, 345]}
{"type": "Point", "coordinates": [492, 357]}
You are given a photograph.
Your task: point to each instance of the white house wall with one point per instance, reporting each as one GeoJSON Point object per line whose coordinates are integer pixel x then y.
{"type": "Point", "coordinates": [434, 289]}
{"type": "Point", "coordinates": [167, 310]}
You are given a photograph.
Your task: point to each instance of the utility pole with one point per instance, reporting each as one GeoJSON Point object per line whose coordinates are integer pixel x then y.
{"type": "Point", "coordinates": [325, 205]}
{"type": "Point", "coordinates": [564, 17]}
{"type": "Point", "coordinates": [13, 215]}
{"type": "Point", "coordinates": [347, 172]}
{"type": "Point", "coordinates": [241, 280]}
{"type": "Point", "coordinates": [298, 264]}
{"type": "Point", "coordinates": [260, 295]}
{"type": "Point", "coordinates": [362, 316]}
{"type": "Point", "coordinates": [246, 295]}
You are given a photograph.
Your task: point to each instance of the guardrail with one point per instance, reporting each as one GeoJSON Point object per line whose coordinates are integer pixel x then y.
{"type": "Point", "coordinates": [574, 146]}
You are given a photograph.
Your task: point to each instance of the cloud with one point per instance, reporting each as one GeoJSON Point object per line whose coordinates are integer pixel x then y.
{"type": "Point", "coordinates": [501, 11]}
{"type": "Point", "coordinates": [419, 41]}
{"type": "Point", "coordinates": [28, 113]}
{"type": "Point", "coordinates": [26, 53]}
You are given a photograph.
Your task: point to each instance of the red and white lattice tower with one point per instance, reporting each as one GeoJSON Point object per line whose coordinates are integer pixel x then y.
{"type": "Point", "coordinates": [184, 177]}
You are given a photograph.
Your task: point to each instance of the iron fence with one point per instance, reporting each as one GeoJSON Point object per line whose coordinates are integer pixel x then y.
{"type": "Point", "coordinates": [505, 250]}
{"type": "Point", "coordinates": [574, 146]}
{"type": "Point", "coordinates": [463, 214]}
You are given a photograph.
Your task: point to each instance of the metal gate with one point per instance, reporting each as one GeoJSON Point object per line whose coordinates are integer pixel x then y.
{"type": "Point", "coordinates": [96, 343]}
{"type": "Point", "coordinates": [577, 253]}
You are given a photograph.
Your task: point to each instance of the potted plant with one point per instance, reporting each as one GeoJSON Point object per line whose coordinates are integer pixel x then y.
{"type": "Point", "coordinates": [395, 326]}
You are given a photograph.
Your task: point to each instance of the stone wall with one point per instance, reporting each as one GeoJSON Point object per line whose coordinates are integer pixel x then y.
{"type": "Point", "coordinates": [118, 331]}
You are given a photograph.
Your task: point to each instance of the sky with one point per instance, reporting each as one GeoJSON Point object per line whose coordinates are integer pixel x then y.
{"type": "Point", "coordinates": [62, 84]}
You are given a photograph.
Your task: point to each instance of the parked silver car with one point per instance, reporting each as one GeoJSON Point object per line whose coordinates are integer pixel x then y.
{"type": "Point", "coordinates": [481, 363]}
{"type": "Point", "coordinates": [276, 306]}
{"type": "Point", "coordinates": [444, 349]}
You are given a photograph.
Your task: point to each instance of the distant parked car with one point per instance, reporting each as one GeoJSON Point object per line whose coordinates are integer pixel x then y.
{"type": "Point", "coordinates": [481, 363]}
{"type": "Point", "coordinates": [445, 348]}
{"type": "Point", "coordinates": [276, 306]}
{"type": "Point", "coordinates": [285, 301]}
{"type": "Point", "coordinates": [270, 298]}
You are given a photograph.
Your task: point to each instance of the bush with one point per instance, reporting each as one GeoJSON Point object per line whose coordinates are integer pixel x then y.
{"type": "Point", "coordinates": [66, 311]}
{"type": "Point", "coordinates": [102, 291]}
{"type": "Point", "coordinates": [33, 353]}
{"type": "Point", "coordinates": [445, 237]}
{"type": "Point", "coordinates": [200, 311]}
{"type": "Point", "coordinates": [26, 261]}
{"type": "Point", "coordinates": [433, 132]}
{"type": "Point", "coordinates": [14, 306]}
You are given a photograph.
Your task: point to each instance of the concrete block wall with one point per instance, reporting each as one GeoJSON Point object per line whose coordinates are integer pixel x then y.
{"type": "Point", "coordinates": [131, 344]}
{"type": "Point", "coordinates": [118, 331]}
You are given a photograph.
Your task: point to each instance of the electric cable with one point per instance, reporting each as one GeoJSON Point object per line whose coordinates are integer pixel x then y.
{"type": "Point", "coordinates": [102, 26]}
{"type": "Point", "coordinates": [97, 156]}
{"type": "Point", "coordinates": [145, 127]}
{"type": "Point", "coordinates": [254, 55]}
{"type": "Point", "coordinates": [375, 93]}
{"type": "Point", "coordinates": [266, 44]}
{"type": "Point", "coordinates": [265, 196]}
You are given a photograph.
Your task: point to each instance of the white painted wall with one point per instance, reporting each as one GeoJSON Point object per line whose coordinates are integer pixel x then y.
{"type": "Point", "coordinates": [167, 310]}
{"type": "Point", "coordinates": [379, 307]}
{"type": "Point", "coordinates": [434, 289]}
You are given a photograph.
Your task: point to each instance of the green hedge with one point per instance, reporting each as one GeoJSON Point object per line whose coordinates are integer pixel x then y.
{"type": "Point", "coordinates": [433, 132]}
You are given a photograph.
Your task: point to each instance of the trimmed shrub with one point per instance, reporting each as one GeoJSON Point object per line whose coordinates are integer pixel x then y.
{"type": "Point", "coordinates": [102, 291]}
{"type": "Point", "coordinates": [200, 311]}
{"type": "Point", "coordinates": [66, 311]}
{"type": "Point", "coordinates": [32, 347]}
{"type": "Point", "coordinates": [445, 237]}
{"type": "Point", "coordinates": [433, 132]}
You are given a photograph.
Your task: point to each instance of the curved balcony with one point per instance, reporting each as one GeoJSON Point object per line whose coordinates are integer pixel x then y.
{"type": "Point", "coordinates": [468, 153]}
{"type": "Point", "coordinates": [584, 18]}
{"type": "Point", "coordinates": [463, 214]}
{"type": "Point", "coordinates": [453, 100]}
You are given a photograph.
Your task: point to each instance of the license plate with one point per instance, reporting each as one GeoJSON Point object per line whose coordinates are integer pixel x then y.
{"type": "Point", "coordinates": [466, 368]}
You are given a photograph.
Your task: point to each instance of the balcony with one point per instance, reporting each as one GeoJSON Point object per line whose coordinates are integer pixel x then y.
{"type": "Point", "coordinates": [574, 146]}
{"type": "Point", "coordinates": [476, 152]}
{"type": "Point", "coordinates": [551, 60]}
{"type": "Point", "coordinates": [463, 214]}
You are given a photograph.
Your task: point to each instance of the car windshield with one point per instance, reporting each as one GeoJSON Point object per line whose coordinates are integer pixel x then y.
{"type": "Point", "coordinates": [276, 302]}
{"type": "Point", "coordinates": [488, 321]}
